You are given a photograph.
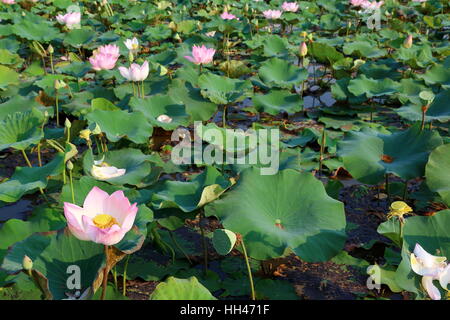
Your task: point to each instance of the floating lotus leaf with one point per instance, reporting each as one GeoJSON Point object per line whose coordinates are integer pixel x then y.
{"type": "Point", "coordinates": [368, 155]}
{"type": "Point", "coordinates": [121, 124]}
{"type": "Point", "coordinates": [8, 77]}
{"type": "Point", "coordinates": [371, 87]}
{"type": "Point", "coordinates": [325, 53]}
{"type": "Point", "coordinates": [437, 172]}
{"type": "Point", "coordinates": [280, 73]}
{"type": "Point", "coordinates": [439, 74]}
{"type": "Point", "coordinates": [288, 209]}
{"type": "Point", "coordinates": [158, 105]}
{"type": "Point", "coordinates": [132, 160]}
{"type": "Point", "coordinates": [181, 289]}
{"type": "Point", "coordinates": [278, 101]}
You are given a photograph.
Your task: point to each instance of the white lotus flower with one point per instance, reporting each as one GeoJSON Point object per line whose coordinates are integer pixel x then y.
{"type": "Point", "coordinates": [102, 171]}
{"type": "Point", "coordinates": [431, 268]}
{"type": "Point", "coordinates": [132, 44]}
{"type": "Point", "coordinates": [164, 118]}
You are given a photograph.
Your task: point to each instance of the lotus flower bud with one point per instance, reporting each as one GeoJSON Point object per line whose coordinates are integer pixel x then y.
{"type": "Point", "coordinates": [59, 84]}
{"type": "Point", "coordinates": [67, 124]}
{"type": "Point", "coordinates": [85, 134]}
{"type": "Point", "coordinates": [50, 49]}
{"type": "Point", "coordinates": [408, 42]}
{"type": "Point", "coordinates": [177, 37]}
{"type": "Point", "coordinates": [303, 49]}
{"type": "Point", "coordinates": [27, 263]}
{"type": "Point", "coordinates": [69, 165]}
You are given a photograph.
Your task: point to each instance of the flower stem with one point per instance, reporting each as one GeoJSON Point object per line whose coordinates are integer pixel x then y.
{"type": "Point", "coordinates": [250, 278]}
{"type": "Point", "coordinates": [105, 275]}
{"type": "Point", "coordinates": [39, 154]}
{"type": "Point", "coordinates": [124, 281]}
{"type": "Point", "coordinates": [71, 186]}
{"type": "Point", "coordinates": [57, 108]}
{"type": "Point", "coordinates": [26, 158]}
{"type": "Point", "coordinates": [205, 248]}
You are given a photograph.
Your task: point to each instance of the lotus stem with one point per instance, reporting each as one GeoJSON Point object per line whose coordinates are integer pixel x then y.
{"type": "Point", "coordinates": [51, 63]}
{"type": "Point", "coordinates": [105, 275]}
{"type": "Point", "coordinates": [115, 277]}
{"type": "Point", "coordinates": [322, 150]}
{"type": "Point", "coordinates": [205, 248]}
{"type": "Point", "coordinates": [179, 247]}
{"type": "Point", "coordinates": [57, 108]}
{"type": "Point", "coordinates": [26, 158]}
{"type": "Point", "coordinates": [143, 89]}
{"type": "Point", "coordinates": [224, 117]}
{"type": "Point", "coordinates": [124, 280]}
{"type": "Point", "coordinates": [71, 186]}
{"type": "Point", "coordinates": [39, 154]}
{"type": "Point", "coordinates": [250, 277]}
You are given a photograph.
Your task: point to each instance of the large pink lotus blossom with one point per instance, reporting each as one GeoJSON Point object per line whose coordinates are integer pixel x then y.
{"type": "Point", "coordinates": [70, 19]}
{"type": "Point", "coordinates": [8, 1]}
{"type": "Point", "coordinates": [103, 218]}
{"type": "Point", "coordinates": [356, 3]}
{"type": "Point", "coordinates": [290, 6]}
{"type": "Point", "coordinates": [135, 72]}
{"type": "Point", "coordinates": [272, 14]}
{"type": "Point", "coordinates": [371, 5]}
{"type": "Point", "coordinates": [105, 57]}
{"type": "Point", "coordinates": [201, 55]}
{"type": "Point", "coordinates": [228, 16]}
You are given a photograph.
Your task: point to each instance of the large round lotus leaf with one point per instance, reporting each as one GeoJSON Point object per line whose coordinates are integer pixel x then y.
{"type": "Point", "coordinates": [8, 77]}
{"type": "Point", "coordinates": [78, 37]}
{"type": "Point", "coordinates": [438, 109]}
{"type": "Point", "coordinates": [25, 179]}
{"type": "Point", "coordinates": [439, 74]}
{"type": "Point", "coordinates": [157, 105]}
{"type": "Point", "coordinates": [181, 289]}
{"type": "Point", "coordinates": [432, 233]}
{"type": "Point", "coordinates": [324, 53]}
{"type": "Point", "coordinates": [368, 155]}
{"type": "Point", "coordinates": [437, 172]}
{"type": "Point", "coordinates": [25, 27]}
{"type": "Point", "coordinates": [191, 195]}
{"type": "Point", "coordinates": [132, 160]}
{"type": "Point", "coordinates": [278, 101]}
{"type": "Point", "coordinates": [371, 87]}
{"type": "Point", "coordinates": [288, 209]}
{"type": "Point", "coordinates": [53, 255]}
{"type": "Point", "coordinates": [280, 73]}
{"type": "Point", "coordinates": [119, 124]}
{"type": "Point", "coordinates": [363, 49]}
{"type": "Point", "coordinates": [21, 104]}
{"type": "Point", "coordinates": [21, 129]}
{"type": "Point", "coordinates": [197, 107]}
{"type": "Point", "coordinates": [275, 46]}
{"type": "Point", "coordinates": [223, 90]}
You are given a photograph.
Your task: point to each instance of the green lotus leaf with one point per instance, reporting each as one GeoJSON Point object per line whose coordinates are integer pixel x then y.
{"type": "Point", "coordinates": [25, 27]}
{"type": "Point", "coordinates": [25, 180]}
{"type": "Point", "coordinates": [103, 104]}
{"type": "Point", "coordinates": [364, 49]}
{"type": "Point", "coordinates": [380, 69]}
{"type": "Point", "coordinates": [21, 104]}
{"type": "Point", "coordinates": [288, 209]}
{"type": "Point", "coordinates": [416, 56]}
{"type": "Point", "coordinates": [371, 87]}
{"type": "Point", "coordinates": [181, 289]}
{"type": "Point", "coordinates": [432, 234]}
{"type": "Point", "coordinates": [78, 37]}
{"type": "Point", "coordinates": [278, 101]}
{"type": "Point", "coordinates": [275, 46]}
{"type": "Point", "coordinates": [11, 59]}
{"type": "Point", "coordinates": [121, 124]}
{"type": "Point", "coordinates": [223, 90]}
{"type": "Point", "coordinates": [189, 196]}
{"type": "Point", "coordinates": [196, 106]}
{"type": "Point", "coordinates": [132, 160]}
{"type": "Point", "coordinates": [438, 109]}
{"type": "Point", "coordinates": [157, 105]}
{"type": "Point", "coordinates": [437, 172]}
{"type": "Point", "coordinates": [439, 74]}
{"type": "Point", "coordinates": [8, 77]}
{"type": "Point", "coordinates": [368, 155]}
{"type": "Point", "coordinates": [324, 53]}
{"type": "Point", "coordinates": [53, 255]}
{"type": "Point", "coordinates": [223, 241]}
{"type": "Point", "coordinates": [280, 73]}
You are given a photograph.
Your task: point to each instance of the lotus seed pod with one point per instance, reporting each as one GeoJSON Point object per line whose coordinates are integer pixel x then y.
{"type": "Point", "coordinates": [27, 263]}
{"type": "Point", "coordinates": [303, 49]}
{"type": "Point", "coordinates": [408, 42]}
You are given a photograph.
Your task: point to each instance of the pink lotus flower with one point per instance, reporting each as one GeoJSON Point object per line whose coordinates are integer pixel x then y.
{"type": "Point", "coordinates": [103, 218]}
{"type": "Point", "coordinates": [228, 16]}
{"type": "Point", "coordinates": [70, 19]}
{"type": "Point", "coordinates": [290, 6]}
{"type": "Point", "coordinates": [272, 14]}
{"type": "Point", "coordinates": [371, 5]}
{"type": "Point", "coordinates": [8, 1]}
{"type": "Point", "coordinates": [356, 3]}
{"type": "Point", "coordinates": [105, 57]}
{"type": "Point", "coordinates": [201, 55]}
{"type": "Point", "coordinates": [135, 72]}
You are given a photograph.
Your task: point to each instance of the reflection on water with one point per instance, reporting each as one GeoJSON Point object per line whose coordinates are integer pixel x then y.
{"type": "Point", "coordinates": [17, 210]}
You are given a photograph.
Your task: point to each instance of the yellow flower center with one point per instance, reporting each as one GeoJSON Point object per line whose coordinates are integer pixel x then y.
{"type": "Point", "coordinates": [104, 221]}
{"type": "Point", "coordinates": [134, 46]}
